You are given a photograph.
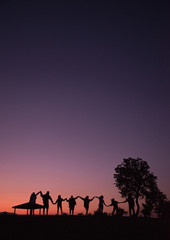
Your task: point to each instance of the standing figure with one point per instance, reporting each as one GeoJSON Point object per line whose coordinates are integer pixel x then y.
{"type": "Point", "coordinates": [72, 203]}
{"type": "Point", "coordinates": [115, 206]}
{"type": "Point", "coordinates": [86, 202]}
{"type": "Point", "coordinates": [101, 203]}
{"type": "Point", "coordinates": [33, 202]}
{"type": "Point", "coordinates": [59, 203]}
{"type": "Point", "coordinates": [131, 203]}
{"type": "Point", "coordinates": [46, 197]}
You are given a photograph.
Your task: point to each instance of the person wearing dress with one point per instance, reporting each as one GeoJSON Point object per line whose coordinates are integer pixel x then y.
{"type": "Point", "coordinates": [32, 202]}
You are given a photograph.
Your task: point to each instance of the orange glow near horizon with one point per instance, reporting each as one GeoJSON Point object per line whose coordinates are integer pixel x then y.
{"type": "Point", "coordinates": [18, 188]}
{"type": "Point", "coordinates": [6, 205]}
{"type": "Point", "coordinates": [20, 180]}
{"type": "Point", "coordinates": [81, 91]}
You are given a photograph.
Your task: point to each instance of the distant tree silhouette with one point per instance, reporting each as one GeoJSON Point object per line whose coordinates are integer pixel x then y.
{"type": "Point", "coordinates": [162, 206]}
{"type": "Point", "coordinates": [165, 213]}
{"type": "Point", "coordinates": [155, 202]}
{"type": "Point", "coordinates": [133, 178]}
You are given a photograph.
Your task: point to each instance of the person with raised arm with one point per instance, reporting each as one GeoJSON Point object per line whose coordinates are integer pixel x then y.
{"type": "Point", "coordinates": [101, 203]}
{"type": "Point", "coordinates": [59, 203]}
{"type": "Point", "coordinates": [131, 204]}
{"type": "Point", "coordinates": [114, 203]}
{"type": "Point", "coordinates": [86, 202]}
{"type": "Point", "coordinates": [72, 202]}
{"type": "Point", "coordinates": [46, 197]}
{"type": "Point", "coordinates": [32, 202]}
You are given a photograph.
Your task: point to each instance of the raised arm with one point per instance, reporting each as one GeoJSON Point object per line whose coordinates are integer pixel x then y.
{"type": "Point", "coordinates": [37, 193]}
{"type": "Point", "coordinates": [91, 199]}
{"type": "Point", "coordinates": [123, 201]}
{"type": "Point", "coordinates": [76, 197]}
{"type": "Point", "coordinates": [96, 197]}
{"type": "Point", "coordinates": [81, 198]}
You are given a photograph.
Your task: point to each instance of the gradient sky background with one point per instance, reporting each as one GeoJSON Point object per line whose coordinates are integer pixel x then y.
{"type": "Point", "coordinates": [83, 84]}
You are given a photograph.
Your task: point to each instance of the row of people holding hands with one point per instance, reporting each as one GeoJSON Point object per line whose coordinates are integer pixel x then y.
{"type": "Point", "coordinates": [72, 203]}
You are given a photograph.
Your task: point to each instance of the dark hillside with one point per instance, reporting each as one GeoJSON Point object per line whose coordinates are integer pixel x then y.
{"type": "Point", "coordinates": [83, 227]}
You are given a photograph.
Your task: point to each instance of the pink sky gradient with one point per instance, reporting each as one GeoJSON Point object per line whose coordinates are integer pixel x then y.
{"type": "Point", "coordinates": [82, 87]}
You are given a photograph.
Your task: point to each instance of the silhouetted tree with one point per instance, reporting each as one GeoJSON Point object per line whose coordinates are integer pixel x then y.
{"type": "Point", "coordinates": [165, 213]}
{"type": "Point", "coordinates": [156, 202]}
{"type": "Point", "coordinates": [133, 177]}
{"type": "Point", "coordinates": [160, 205]}
{"type": "Point", "coordinates": [147, 209]}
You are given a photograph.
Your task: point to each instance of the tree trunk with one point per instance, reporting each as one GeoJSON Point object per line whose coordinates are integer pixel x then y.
{"type": "Point", "coordinates": [138, 207]}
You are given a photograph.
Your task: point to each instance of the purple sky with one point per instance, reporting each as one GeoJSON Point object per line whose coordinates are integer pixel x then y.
{"type": "Point", "coordinates": [84, 84]}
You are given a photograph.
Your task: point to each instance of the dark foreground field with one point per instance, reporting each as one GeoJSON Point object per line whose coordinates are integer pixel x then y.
{"type": "Point", "coordinates": [83, 227]}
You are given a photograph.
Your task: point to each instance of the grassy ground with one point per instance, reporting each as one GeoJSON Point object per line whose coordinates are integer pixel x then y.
{"type": "Point", "coordinates": [83, 227]}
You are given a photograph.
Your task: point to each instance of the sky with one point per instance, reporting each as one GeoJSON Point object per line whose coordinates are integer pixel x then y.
{"type": "Point", "coordinates": [83, 85]}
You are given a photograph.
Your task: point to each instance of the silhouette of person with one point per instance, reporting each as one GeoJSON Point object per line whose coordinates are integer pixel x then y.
{"type": "Point", "coordinates": [72, 203]}
{"type": "Point", "coordinates": [131, 203]}
{"type": "Point", "coordinates": [86, 202]}
{"type": "Point", "coordinates": [115, 206]}
{"type": "Point", "coordinates": [101, 203]}
{"type": "Point", "coordinates": [33, 202]}
{"type": "Point", "coordinates": [46, 197]}
{"type": "Point", "coordinates": [59, 203]}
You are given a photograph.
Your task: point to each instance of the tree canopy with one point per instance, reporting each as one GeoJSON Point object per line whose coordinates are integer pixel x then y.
{"type": "Point", "coordinates": [133, 177]}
